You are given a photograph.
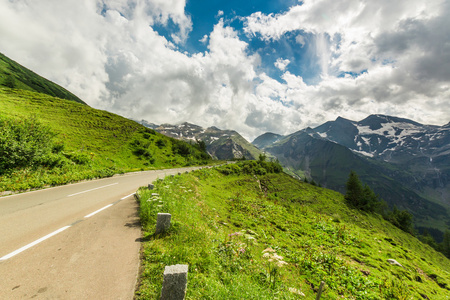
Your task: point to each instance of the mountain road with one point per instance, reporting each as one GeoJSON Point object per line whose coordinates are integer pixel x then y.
{"type": "Point", "coordinates": [78, 241]}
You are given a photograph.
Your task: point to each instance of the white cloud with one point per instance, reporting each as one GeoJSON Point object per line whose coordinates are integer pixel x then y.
{"type": "Point", "coordinates": [396, 55]}
{"type": "Point", "coordinates": [300, 40]}
{"type": "Point", "coordinates": [204, 39]}
{"type": "Point", "coordinates": [282, 63]}
{"type": "Point", "coordinates": [401, 47]}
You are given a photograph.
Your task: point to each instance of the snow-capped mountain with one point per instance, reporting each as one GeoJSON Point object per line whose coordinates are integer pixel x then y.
{"type": "Point", "coordinates": [421, 153]}
{"type": "Point", "coordinates": [389, 138]}
{"type": "Point", "coordinates": [406, 162]}
{"type": "Point", "coordinates": [220, 144]}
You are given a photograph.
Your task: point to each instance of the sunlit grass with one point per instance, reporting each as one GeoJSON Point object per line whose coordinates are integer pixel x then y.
{"type": "Point", "coordinates": [223, 224]}
{"type": "Point", "coordinates": [94, 143]}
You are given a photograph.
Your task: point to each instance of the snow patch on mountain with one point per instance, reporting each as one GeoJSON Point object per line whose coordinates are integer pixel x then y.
{"type": "Point", "coordinates": [390, 130]}
{"type": "Point", "coordinates": [363, 153]}
{"type": "Point", "coordinates": [323, 134]}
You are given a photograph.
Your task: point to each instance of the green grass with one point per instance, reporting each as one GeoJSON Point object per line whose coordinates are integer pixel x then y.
{"type": "Point", "coordinates": [92, 143]}
{"type": "Point", "coordinates": [14, 75]}
{"type": "Point", "coordinates": [221, 225]}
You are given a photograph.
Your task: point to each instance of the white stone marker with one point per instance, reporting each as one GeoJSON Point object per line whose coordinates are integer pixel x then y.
{"type": "Point", "coordinates": [175, 282]}
{"type": "Point", "coordinates": [162, 222]}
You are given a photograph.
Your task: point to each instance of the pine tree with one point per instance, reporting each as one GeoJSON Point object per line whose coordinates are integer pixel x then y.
{"type": "Point", "coordinates": [359, 196]}
{"type": "Point", "coordinates": [370, 200]}
{"type": "Point", "coordinates": [354, 192]}
{"type": "Point", "coordinates": [446, 244]}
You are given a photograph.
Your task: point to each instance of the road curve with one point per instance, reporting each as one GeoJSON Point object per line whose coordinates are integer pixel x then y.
{"type": "Point", "coordinates": [79, 241]}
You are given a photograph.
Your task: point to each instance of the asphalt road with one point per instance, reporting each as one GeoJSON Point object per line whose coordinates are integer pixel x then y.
{"type": "Point", "coordinates": [79, 241]}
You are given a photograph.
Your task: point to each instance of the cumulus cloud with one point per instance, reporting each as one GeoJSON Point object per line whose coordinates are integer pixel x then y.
{"type": "Point", "coordinates": [374, 57]}
{"type": "Point", "coordinates": [282, 63]}
{"type": "Point", "coordinates": [204, 39]}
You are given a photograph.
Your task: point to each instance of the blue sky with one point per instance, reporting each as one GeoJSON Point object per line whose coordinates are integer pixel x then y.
{"type": "Point", "coordinates": [205, 14]}
{"type": "Point", "coordinates": [277, 66]}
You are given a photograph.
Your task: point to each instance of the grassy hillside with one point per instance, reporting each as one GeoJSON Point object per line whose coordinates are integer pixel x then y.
{"type": "Point", "coordinates": [13, 75]}
{"type": "Point", "coordinates": [329, 164]}
{"type": "Point", "coordinates": [248, 236]}
{"type": "Point", "coordinates": [82, 142]}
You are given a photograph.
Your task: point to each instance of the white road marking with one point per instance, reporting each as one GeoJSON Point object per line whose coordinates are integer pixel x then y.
{"type": "Point", "coordinates": [14, 253]}
{"type": "Point", "coordinates": [33, 243]}
{"type": "Point", "coordinates": [97, 211]}
{"type": "Point", "coordinates": [92, 189]}
{"type": "Point", "coordinates": [127, 196]}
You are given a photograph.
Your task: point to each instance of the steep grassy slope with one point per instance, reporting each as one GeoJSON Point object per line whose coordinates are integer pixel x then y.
{"type": "Point", "coordinates": [329, 164]}
{"type": "Point", "coordinates": [13, 75]}
{"type": "Point", "coordinates": [88, 142]}
{"type": "Point", "coordinates": [247, 236]}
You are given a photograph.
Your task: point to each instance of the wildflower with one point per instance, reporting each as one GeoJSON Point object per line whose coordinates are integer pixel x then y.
{"type": "Point", "coordinates": [277, 257]}
{"type": "Point", "coordinates": [281, 263]}
{"type": "Point", "coordinates": [296, 291]}
{"type": "Point", "coordinates": [268, 250]}
{"type": "Point", "coordinates": [234, 233]}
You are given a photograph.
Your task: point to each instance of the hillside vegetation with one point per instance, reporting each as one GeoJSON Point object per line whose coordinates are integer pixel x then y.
{"type": "Point", "coordinates": [13, 75]}
{"type": "Point", "coordinates": [329, 164]}
{"type": "Point", "coordinates": [248, 231]}
{"type": "Point", "coordinates": [49, 141]}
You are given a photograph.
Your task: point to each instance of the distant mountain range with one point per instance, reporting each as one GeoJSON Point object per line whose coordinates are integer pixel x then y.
{"type": "Point", "coordinates": [220, 144]}
{"type": "Point", "coordinates": [405, 162]}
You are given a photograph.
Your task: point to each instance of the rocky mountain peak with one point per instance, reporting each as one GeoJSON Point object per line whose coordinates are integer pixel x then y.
{"type": "Point", "coordinates": [376, 122]}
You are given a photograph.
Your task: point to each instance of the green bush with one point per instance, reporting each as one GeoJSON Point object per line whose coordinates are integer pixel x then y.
{"type": "Point", "coordinates": [251, 167]}
{"type": "Point", "coordinates": [402, 219]}
{"type": "Point", "coordinates": [24, 142]}
{"type": "Point", "coordinates": [79, 158]}
{"type": "Point", "coordinates": [230, 169]}
{"type": "Point", "coordinates": [181, 148]}
{"type": "Point", "coordinates": [160, 143]}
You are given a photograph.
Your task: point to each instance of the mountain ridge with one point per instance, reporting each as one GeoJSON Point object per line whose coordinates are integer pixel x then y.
{"type": "Point", "coordinates": [220, 144]}
{"type": "Point", "coordinates": [406, 162]}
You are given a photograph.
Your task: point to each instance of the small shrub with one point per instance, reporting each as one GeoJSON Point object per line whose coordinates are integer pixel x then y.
{"type": "Point", "coordinates": [230, 169]}
{"type": "Point", "coordinates": [78, 158]}
{"type": "Point", "coordinates": [251, 167]}
{"type": "Point", "coordinates": [160, 143]}
{"type": "Point", "coordinates": [181, 148]}
{"type": "Point", "coordinates": [402, 219]}
{"type": "Point", "coordinates": [23, 143]}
